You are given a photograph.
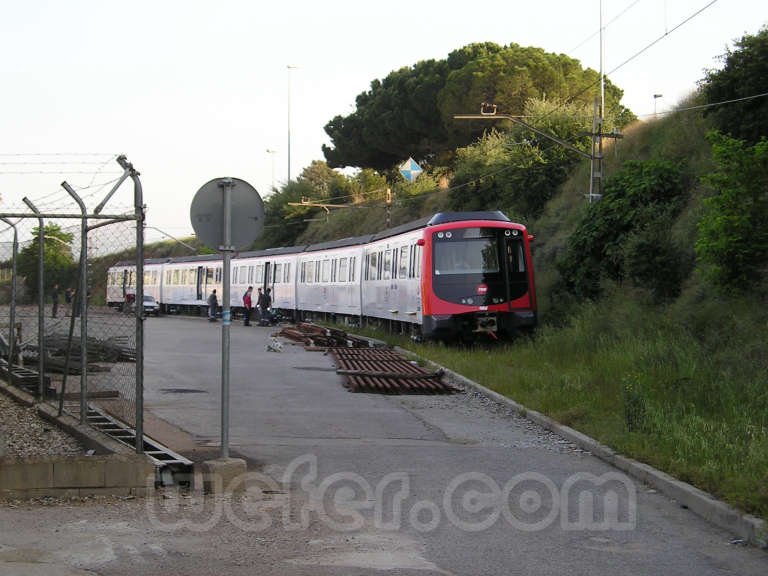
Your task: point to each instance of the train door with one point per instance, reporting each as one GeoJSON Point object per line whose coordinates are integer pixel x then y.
{"type": "Point", "coordinates": [199, 282]}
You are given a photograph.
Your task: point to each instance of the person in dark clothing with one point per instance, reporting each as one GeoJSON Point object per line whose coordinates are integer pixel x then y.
{"type": "Point", "coordinates": [213, 305]}
{"type": "Point", "coordinates": [265, 304]}
{"type": "Point", "coordinates": [248, 304]}
{"type": "Point", "coordinates": [68, 297]}
{"type": "Point", "coordinates": [259, 298]}
{"type": "Point", "coordinates": [55, 299]}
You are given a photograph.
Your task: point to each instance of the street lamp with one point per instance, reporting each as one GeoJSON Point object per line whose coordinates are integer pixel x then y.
{"type": "Point", "coordinates": [272, 153]}
{"type": "Point", "coordinates": [656, 97]}
{"type": "Point", "coordinates": [289, 67]}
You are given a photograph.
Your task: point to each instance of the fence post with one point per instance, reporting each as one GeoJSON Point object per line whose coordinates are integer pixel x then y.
{"type": "Point", "coordinates": [83, 304]}
{"type": "Point", "coordinates": [138, 203]}
{"type": "Point", "coordinates": [11, 335]}
{"type": "Point", "coordinates": [40, 300]}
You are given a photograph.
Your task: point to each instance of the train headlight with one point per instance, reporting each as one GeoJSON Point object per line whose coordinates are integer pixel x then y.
{"type": "Point", "coordinates": [440, 234]}
{"type": "Point", "coordinates": [448, 234]}
{"type": "Point", "coordinates": [506, 232]}
{"type": "Point", "coordinates": [515, 232]}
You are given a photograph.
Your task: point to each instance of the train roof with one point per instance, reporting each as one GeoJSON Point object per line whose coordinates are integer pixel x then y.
{"type": "Point", "coordinates": [272, 252]}
{"type": "Point", "coordinates": [351, 241]}
{"type": "Point", "coordinates": [439, 218]}
{"type": "Point", "coordinates": [444, 217]}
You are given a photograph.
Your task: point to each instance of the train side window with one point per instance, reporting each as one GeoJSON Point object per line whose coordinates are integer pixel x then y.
{"type": "Point", "coordinates": [317, 270]}
{"type": "Point", "coordinates": [381, 262]}
{"type": "Point", "coordinates": [342, 269]}
{"type": "Point", "coordinates": [387, 268]}
{"type": "Point", "coordinates": [175, 277]}
{"type": "Point", "coordinates": [218, 274]}
{"type": "Point", "coordinates": [374, 265]}
{"type": "Point", "coordinates": [278, 276]}
{"type": "Point", "coordinates": [403, 263]}
{"type": "Point", "coordinates": [303, 272]}
{"type": "Point", "coordinates": [326, 271]}
{"type": "Point", "coordinates": [183, 278]}
{"type": "Point", "coordinates": [287, 272]}
{"type": "Point", "coordinates": [234, 275]}
{"type": "Point", "coordinates": [310, 272]}
{"type": "Point", "coordinates": [352, 268]}
{"type": "Point", "coordinates": [418, 262]}
{"type": "Point", "coordinates": [334, 267]}
{"type": "Point", "coordinates": [241, 275]}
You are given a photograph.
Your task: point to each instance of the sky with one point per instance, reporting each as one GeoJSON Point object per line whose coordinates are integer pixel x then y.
{"type": "Point", "coordinates": [193, 90]}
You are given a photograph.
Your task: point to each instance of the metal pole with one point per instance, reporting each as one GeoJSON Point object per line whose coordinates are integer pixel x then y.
{"type": "Point", "coordinates": [40, 300]}
{"type": "Point", "coordinates": [138, 204]}
{"type": "Point", "coordinates": [289, 119]}
{"type": "Point", "coordinates": [83, 304]}
{"type": "Point", "coordinates": [602, 76]}
{"type": "Point", "coordinates": [11, 335]}
{"type": "Point", "coordinates": [227, 185]}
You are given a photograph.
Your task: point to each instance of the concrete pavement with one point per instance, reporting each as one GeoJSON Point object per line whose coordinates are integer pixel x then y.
{"type": "Point", "coordinates": [367, 484]}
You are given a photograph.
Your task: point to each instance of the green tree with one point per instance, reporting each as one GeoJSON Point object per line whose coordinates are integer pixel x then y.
{"type": "Point", "coordinates": [745, 73]}
{"type": "Point", "coordinates": [58, 264]}
{"type": "Point", "coordinates": [410, 112]}
{"type": "Point", "coordinates": [518, 171]}
{"type": "Point", "coordinates": [624, 230]}
{"type": "Point", "coordinates": [732, 243]}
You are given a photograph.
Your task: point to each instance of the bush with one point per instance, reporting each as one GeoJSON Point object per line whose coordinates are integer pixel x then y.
{"type": "Point", "coordinates": [732, 243]}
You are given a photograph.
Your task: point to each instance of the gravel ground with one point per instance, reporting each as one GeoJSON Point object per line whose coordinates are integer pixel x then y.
{"type": "Point", "coordinates": [23, 433]}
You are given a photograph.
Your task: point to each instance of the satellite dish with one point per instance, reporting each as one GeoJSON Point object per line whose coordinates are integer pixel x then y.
{"type": "Point", "coordinates": [246, 214]}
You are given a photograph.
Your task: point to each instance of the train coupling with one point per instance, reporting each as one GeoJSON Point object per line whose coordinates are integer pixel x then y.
{"type": "Point", "coordinates": [487, 324]}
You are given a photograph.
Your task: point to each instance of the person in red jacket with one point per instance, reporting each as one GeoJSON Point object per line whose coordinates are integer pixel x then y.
{"type": "Point", "coordinates": [248, 306]}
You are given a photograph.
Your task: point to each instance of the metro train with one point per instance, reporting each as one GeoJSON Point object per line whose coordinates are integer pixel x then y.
{"type": "Point", "coordinates": [454, 274]}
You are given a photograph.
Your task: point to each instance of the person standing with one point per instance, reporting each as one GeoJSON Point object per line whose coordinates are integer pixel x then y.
{"type": "Point", "coordinates": [248, 303]}
{"type": "Point", "coordinates": [258, 304]}
{"type": "Point", "coordinates": [55, 299]}
{"type": "Point", "coordinates": [213, 305]}
{"type": "Point", "coordinates": [266, 302]}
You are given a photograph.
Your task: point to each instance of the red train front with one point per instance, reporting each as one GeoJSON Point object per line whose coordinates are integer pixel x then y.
{"type": "Point", "coordinates": [478, 276]}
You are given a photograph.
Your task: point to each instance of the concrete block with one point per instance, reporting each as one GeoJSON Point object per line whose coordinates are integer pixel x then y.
{"type": "Point", "coordinates": [25, 475]}
{"type": "Point", "coordinates": [81, 472]}
{"type": "Point", "coordinates": [223, 475]}
{"type": "Point", "coordinates": [131, 471]}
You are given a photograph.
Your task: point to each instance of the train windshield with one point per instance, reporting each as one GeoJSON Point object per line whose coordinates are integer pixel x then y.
{"type": "Point", "coordinates": [468, 251]}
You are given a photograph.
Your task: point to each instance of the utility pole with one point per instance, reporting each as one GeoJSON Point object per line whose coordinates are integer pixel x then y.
{"type": "Point", "coordinates": [389, 207]}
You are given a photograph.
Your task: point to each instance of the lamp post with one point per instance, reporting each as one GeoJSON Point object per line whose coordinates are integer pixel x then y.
{"type": "Point", "coordinates": [655, 98]}
{"type": "Point", "coordinates": [272, 153]}
{"type": "Point", "coordinates": [289, 67]}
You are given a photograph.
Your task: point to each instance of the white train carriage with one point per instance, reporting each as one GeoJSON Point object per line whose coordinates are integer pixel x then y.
{"type": "Point", "coordinates": [188, 281]}
{"type": "Point", "coordinates": [391, 279]}
{"type": "Point", "coordinates": [274, 268]}
{"type": "Point", "coordinates": [121, 281]}
{"type": "Point", "coordinates": [329, 277]}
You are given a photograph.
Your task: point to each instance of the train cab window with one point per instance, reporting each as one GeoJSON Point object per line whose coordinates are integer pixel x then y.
{"type": "Point", "coordinates": [352, 266]}
{"type": "Point", "coordinates": [342, 270]}
{"type": "Point", "coordinates": [278, 273]}
{"type": "Point", "coordinates": [516, 256]}
{"type": "Point", "coordinates": [403, 263]}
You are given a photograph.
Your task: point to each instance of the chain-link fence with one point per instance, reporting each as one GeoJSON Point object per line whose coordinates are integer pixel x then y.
{"type": "Point", "coordinates": [59, 340]}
